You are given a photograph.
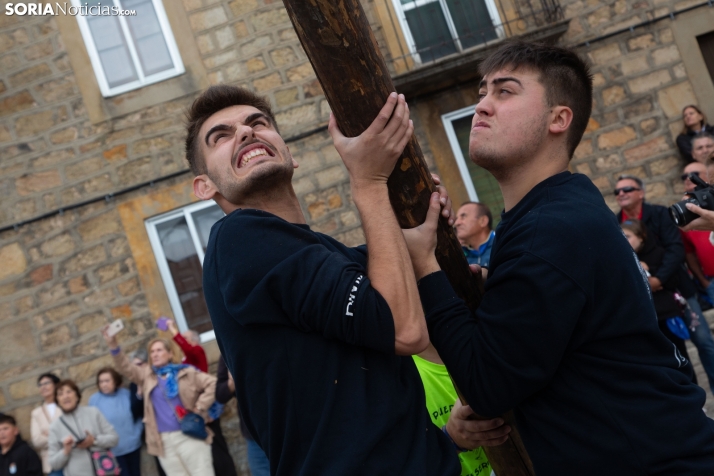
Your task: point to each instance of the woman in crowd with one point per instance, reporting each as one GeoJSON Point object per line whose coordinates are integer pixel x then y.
{"type": "Point", "coordinates": [694, 122]}
{"type": "Point", "coordinates": [115, 404]}
{"type": "Point", "coordinates": [169, 390]}
{"type": "Point", "coordinates": [42, 417]}
{"type": "Point", "coordinates": [78, 432]}
{"type": "Point", "coordinates": [650, 255]}
{"type": "Point", "coordinates": [139, 358]}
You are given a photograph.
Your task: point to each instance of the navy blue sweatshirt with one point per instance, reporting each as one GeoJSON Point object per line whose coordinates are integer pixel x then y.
{"type": "Point", "coordinates": [567, 336]}
{"type": "Point", "coordinates": [20, 460]}
{"type": "Point", "coordinates": [310, 344]}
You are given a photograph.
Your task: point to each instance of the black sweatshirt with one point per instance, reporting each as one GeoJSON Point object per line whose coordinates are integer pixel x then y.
{"type": "Point", "coordinates": [665, 304]}
{"type": "Point", "coordinates": [310, 345]}
{"type": "Point", "coordinates": [567, 336]}
{"type": "Point", "coordinates": [20, 460]}
{"type": "Point", "coordinates": [662, 229]}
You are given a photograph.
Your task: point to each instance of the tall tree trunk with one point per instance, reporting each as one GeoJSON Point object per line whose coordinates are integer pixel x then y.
{"type": "Point", "coordinates": [344, 54]}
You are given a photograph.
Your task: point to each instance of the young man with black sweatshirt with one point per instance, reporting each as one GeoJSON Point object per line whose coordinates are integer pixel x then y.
{"type": "Point", "coordinates": [566, 333]}
{"type": "Point", "coordinates": [313, 331]}
{"type": "Point", "coordinates": [16, 457]}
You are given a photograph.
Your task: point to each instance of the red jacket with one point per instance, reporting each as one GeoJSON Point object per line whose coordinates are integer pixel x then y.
{"type": "Point", "coordinates": [193, 354]}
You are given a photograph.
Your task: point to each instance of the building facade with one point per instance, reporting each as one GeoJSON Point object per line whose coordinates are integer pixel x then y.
{"type": "Point", "coordinates": [98, 219]}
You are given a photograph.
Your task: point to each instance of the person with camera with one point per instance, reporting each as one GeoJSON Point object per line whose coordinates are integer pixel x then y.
{"type": "Point", "coordinates": [702, 218]}
{"type": "Point", "coordinates": [697, 246]}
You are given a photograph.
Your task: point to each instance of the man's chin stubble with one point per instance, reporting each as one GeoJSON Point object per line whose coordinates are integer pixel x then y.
{"type": "Point", "coordinates": [265, 183]}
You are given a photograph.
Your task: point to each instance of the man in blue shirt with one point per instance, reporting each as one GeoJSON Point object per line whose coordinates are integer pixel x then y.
{"type": "Point", "coordinates": [473, 229]}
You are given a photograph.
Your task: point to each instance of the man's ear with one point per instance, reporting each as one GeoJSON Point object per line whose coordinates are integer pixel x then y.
{"type": "Point", "coordinates": [203, 187]}
{"type": "Point", "coordinates": [561, 118]}
{"type": "Point", "coordinates": [483, 221]}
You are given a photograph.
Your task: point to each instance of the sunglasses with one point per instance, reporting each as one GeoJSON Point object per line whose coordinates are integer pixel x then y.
{"type": "Point", "coordinates": [686, 176]}
{"type": "Point", "coordinates": [625, 189]}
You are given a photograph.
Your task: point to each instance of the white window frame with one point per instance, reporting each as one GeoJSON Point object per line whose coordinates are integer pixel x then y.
{"type": "Point", "coordinates": [447, 119]}
{"type": "Point", "coordinates": [143, 80]}
{"type": "Point", "coordinates": [400, 9]}
{"type": "Point", "coordinates": [161, 261]}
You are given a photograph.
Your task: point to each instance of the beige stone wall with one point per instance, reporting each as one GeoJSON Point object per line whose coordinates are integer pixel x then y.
{"type": "Point", "coordinates": [640, 87]}
{"type": "Point", "coordinates": [54, 155]}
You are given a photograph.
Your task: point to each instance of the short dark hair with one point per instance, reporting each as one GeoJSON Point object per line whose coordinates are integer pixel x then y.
{"type": "Point", "coordinates": [701, 135]}
{"type": "Point", "coordinates": [565, 76]}
{"type": "Point", "coordinates": [115, 376]}
{"type": "Point", "coordinates": [68, 383]}
{"type": "Point", "coordinates": [5, 418]}
{"type": "Point", "coordinates": [212, 100]}
{"type": "Point", "coordinates": [55, 379]}
{"type": "Point", "coordinates": [636, 227]}
{"type": "Point", "coordinates": [482, 210]}
{"type": "Point", "coordinates": [634, 178]}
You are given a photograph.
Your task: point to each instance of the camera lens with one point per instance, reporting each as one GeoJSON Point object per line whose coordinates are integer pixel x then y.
{"type": "Point", "coordinates": [676, 214]}
{"type": "Point", "coordinates": [679, 213]}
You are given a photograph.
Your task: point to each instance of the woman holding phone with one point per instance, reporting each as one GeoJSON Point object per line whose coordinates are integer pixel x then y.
{"type": "Point", "coordinates": [79, 431]}
{"type": "Point", "coordinates": [169, 391]}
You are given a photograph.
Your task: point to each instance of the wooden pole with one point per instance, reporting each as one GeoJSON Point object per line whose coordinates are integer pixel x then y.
{"type": "Point", "coordinates": [344, 54]}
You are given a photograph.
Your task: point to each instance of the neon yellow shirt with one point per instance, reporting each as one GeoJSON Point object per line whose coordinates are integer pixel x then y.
{"type": "Point", "coordinates": [440, 398]}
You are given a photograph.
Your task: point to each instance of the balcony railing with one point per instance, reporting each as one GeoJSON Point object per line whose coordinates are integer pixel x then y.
{"type": "Point", "coordinates": [418, 33]}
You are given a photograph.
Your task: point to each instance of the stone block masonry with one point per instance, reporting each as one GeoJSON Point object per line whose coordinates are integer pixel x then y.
{"type": "Point", "coordinates": [640, 88]}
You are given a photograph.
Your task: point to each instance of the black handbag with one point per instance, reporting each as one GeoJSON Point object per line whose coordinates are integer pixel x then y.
{"type": "Point", "coordinates": [103, 461]}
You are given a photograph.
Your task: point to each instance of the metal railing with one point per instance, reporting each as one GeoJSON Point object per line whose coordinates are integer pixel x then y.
{"type": "Point", "coordinates": [418, 33]}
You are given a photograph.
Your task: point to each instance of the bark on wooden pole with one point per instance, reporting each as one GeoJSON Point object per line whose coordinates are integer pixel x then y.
{"type": "Point", "coordinates": [344, 54]}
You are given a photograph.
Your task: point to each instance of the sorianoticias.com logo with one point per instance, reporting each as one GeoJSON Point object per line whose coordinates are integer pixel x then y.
{"type": "Point", "coordinates": [57, 8]}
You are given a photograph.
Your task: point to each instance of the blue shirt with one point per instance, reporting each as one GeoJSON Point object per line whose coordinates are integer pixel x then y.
{"type": "Point", "coordinates": [116, 408]}
{"type": "Point", "coordinates": [481, 255]}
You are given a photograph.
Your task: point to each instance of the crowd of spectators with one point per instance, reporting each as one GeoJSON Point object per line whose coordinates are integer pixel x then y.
{"type": "Point", "coordinates": [67, 436]}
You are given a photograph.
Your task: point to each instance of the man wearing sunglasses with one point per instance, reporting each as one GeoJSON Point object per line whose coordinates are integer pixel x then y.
{"type": "Point", "coordinates": [630, 193]}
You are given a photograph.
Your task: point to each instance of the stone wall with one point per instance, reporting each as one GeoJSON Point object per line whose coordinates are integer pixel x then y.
{"type": "Point", "coordinates": [640, 88]}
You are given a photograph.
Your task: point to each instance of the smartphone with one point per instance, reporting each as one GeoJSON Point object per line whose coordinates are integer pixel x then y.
{"type": "Point", "coordinates": [162, 323]}
{"type": "Point", "coordinates": [115, 327]}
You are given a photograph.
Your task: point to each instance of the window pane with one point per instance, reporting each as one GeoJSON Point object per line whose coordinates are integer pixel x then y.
{"type": "Point", "coordinates": [485, 184]}
{"type": "Point", "coordinates": [204, 220]}
{"type": "Point", "coordinates": [431, 34]}
{"type": "Point", "coordinates": [148, 37]}
{"type": "Point", "coordinates": [112, 50]}
{"type": "Point", "coordinates": [186, 272]}
{"type": "Point", "coordinates": [472, 22]}
{"type": "Point", "coordinates": [706, 45]}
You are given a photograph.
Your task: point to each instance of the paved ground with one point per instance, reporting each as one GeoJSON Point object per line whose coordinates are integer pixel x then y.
{"type": "Point", "coordinates": [701, 376]}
